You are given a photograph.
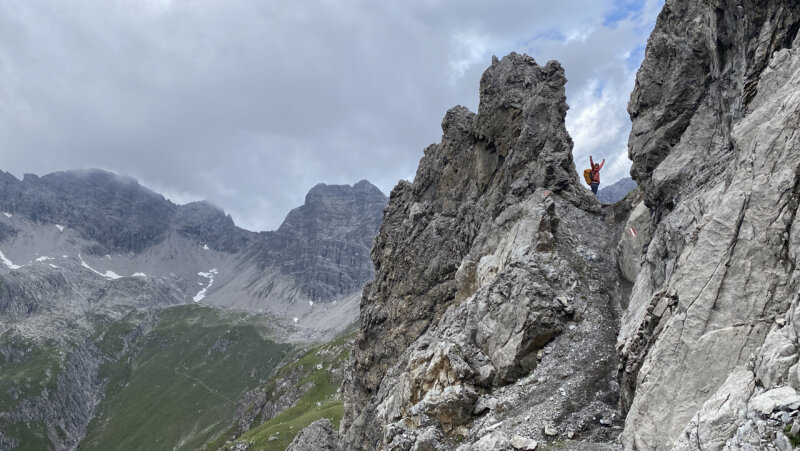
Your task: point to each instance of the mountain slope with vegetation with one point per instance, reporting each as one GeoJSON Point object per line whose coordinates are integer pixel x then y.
{"type": "Point", "coordinates": [181, 379]}
{"type": "Point", "coordinates": [116, 306]}
{"type": "Point", "coordinates": [304, 391]}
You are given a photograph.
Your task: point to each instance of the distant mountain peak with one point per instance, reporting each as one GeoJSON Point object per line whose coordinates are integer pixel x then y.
{"type": "Point", "coordinates": [325, 191]}
{"type": "Point", "coordinates": [616, 191]}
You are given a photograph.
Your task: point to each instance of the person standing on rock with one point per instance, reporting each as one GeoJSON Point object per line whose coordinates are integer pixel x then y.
{"type": "Point", "coordinates": [596, 173]}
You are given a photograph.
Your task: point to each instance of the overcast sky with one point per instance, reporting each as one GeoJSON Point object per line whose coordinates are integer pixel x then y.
{"type": "Point", "coordinates": [250, 103]}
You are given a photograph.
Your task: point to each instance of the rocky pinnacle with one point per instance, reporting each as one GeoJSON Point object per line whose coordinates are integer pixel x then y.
{"type": "Point", "coordinates": [481, 271]}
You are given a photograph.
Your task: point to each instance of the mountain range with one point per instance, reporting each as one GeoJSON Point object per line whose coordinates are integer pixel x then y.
{"type": "Point", "coordinates": [101, 277]}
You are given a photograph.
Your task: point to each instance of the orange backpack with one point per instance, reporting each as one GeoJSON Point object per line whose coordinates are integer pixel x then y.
{"type": "Point", "coordinates": [587, 175]}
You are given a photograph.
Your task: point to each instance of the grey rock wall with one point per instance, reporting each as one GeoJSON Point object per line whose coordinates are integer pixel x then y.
{"type": "Point", "coordinates": [716, 154]}
{"type": "Point", "coordinates": [494, 311]}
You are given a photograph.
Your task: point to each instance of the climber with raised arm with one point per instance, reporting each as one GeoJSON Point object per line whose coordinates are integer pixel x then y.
{"type": "Point", "coordinates": [596, 173]}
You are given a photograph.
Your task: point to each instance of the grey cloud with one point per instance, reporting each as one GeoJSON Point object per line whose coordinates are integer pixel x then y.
{"type": "Point", "coordinates": [249, 103]}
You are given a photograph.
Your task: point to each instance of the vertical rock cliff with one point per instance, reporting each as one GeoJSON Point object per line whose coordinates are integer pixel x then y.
{"type": "Point", "coordinates": [494, 311]}
{"type": "Point", "coordinates": [711, 332]}
{"type": "Point", "coordinates": [502, 313]}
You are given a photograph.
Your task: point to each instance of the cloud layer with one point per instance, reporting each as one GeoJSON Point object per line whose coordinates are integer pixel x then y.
{"type": "Point", "coordinates": [249, 103]}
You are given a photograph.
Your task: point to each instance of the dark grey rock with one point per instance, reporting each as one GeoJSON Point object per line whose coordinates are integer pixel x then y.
{"type": "Point", "coordinates": [319, 436]}
{"type": "Point", "coordinates": [115, 211]}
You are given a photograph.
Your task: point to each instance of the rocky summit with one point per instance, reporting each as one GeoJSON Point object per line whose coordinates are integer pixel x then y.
{"type": "Point", "coordinates": [496, 301]}
{"type": "Point", "coordinates": [509, 309]}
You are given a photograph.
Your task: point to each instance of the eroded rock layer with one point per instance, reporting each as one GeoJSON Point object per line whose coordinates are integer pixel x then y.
{"type": "Point", "coordinates": [494, 310]}
{"type": "Point", "coordinates": [710, 330]}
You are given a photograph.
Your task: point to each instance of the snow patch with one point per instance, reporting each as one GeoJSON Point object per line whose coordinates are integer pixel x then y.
{"type": "Point", "coordinates": [206, 275]}
{"type": "Point", "coordinates": [64, 256]}
{"type": "Point", "coordinates": [139, 274]}
{"type": "Point", "coordinates": [53, 266]}
{"type": "Point", "coordinates": [8, 215]}
{"type": "Point", "coordinates": [60, 227]}
{"type": "Point", "coordinates": [8, 262]}
{"type": "Point", "coordinates": [44, 259]}
{"type": "Point", "coordinates": [108, 274]}
{"type": "Point", "coordinates": [296, 320]}
{"type": "Point", "coordinates": [311, 303]}
{"type": "Point", "coordinates": [205, 247]}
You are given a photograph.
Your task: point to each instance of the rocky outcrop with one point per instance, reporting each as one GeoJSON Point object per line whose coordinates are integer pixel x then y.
{"type": "Point", "coordinates": [483, 262]}
{"type": "Point", "coordinates": [711, 326]}
{"type": "Point", "coordinates": [319, 436]}
{"type": "Point", "coordinates": [325, 243]}
{"type": "Point", "coordinates": [493, 315]}
{"type": "Point", "coordinates": [617, 191]}
{"type": "Point", "coordinates": [64, 413]}
{"type": "Point", "coordinates": [323, 365]}
{"type": "Point", "coordinates": [635, 236]}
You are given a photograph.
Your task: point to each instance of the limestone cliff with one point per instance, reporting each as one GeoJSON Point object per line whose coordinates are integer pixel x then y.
{"type": "Point", "coordinates": [495, 305]}
{"type": "Point", "coordinates": [711, 327]}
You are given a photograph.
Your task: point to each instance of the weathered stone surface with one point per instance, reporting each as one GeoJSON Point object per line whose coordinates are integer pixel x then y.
{"type": "Point", "coordinates": [319, 436]}
{"type": "Point", "coordinates": [716, 154]}
{"type": "Point", "coordinates": [325, 243]}
{"type": "Point", "coordinates": [715, 422]}
{"type": "Point", "coordinates": [523, 443]}
{"type": "Point", "coordinates": [776, 357]}
{"type": "Point", "coordinates": [778, 398]}
{"type": "Point", "coordinates": [493, 312]}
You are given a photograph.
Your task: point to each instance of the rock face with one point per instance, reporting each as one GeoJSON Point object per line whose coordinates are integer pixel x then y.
{"type": "Point", "coordinates": [712, 323]}
{"type": "Point", "coordinates": [496, 293]}
{"type": "Point", "coordinates": [494, 310]}
{"type": "Point", "coordinates": [319, 436]}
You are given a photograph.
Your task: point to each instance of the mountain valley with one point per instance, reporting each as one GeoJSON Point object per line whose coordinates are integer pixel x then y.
{"type": "Point", "coordinates": [129, 322]}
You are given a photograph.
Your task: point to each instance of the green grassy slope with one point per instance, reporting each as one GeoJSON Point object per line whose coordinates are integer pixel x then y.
{"type": "Point", "coordinates": [182, 387]}
{"type": "Point", "coordinates": [319, 371]}
{"type": "Point", "coordinates": [27, 370]}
